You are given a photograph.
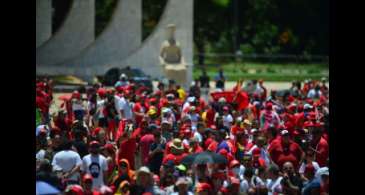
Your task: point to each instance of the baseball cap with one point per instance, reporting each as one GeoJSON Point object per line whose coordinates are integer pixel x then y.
{"type": "Point", "coordinates": [225, 108]}
{"type": "Point", "coordinates": [284, 132]}
{"type": "Point", "coordinates": [94, 143]}
{"type": "Point", "coordinates": [191, 99]}
{"type": "Point", "coordinates": [144, 169]}
{"type": "Point", "coordinates": [203, 186]}
{"type": "Point", "coordinates": [254, 131]}
{"type": "Point", "coordinates": [233, 163]}
{"type": "Point", "coordinates": [87, 177]}
{"type": "Point", "coordinates": [182, 180]}
{"type": "Point", "coordinates": [307, 106]}
{"type": "Point", "coordinates": [268, 106]}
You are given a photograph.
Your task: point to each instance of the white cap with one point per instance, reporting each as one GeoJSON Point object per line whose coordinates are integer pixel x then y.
{"type": "Point", "coordinates": [284, 132]}
{"type": "Point", "coordinates": [222, 99]}
{"type": "Point", "coordinates": [144, 169]}
{"type": "Point", "coordinates": [122, 76]}
{"type": "Point", "coordinates": [306, 106]}
{"type": "Point", "coordinates": [191, 99]}
{"type": "Point", "coordinates": [254, 130]}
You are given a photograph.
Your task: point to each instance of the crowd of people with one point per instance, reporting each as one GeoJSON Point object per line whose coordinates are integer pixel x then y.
{"type": "Point", "coordinates": [128, 139]}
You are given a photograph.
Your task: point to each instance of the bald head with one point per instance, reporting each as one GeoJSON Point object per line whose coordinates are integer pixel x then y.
{"type": "Point", "coordinates": [288, 167]}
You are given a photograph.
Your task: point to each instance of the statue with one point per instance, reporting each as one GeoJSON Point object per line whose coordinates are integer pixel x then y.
{"type": "Point", "coordinates": [171, 58]}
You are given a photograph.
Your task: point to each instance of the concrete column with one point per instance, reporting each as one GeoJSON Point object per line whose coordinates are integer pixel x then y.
{"type": "Point", "coordinates": [75, 34]}
{"type": "Point", "coordinates": [43, 21]}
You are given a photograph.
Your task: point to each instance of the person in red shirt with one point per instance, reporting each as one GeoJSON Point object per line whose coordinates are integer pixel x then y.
{"type": "Point", "coordinates": [145, 142]}
{"type": "Point", "coordinates": [194, 146]}
{"type": "Point", "coordinates": [177, 152]}
{"type": "Point", "coordinates": [127, 149]}
{"type": "Point", "coordinates": [139, 109]}
{"type": "Point", "coordinates": [320, 147]}
{"type": "Point", "coordinates": [286, 150]}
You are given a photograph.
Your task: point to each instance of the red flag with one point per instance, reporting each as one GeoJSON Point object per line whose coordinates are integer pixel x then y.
{"type": "Point", "coordinates": [242, 100]}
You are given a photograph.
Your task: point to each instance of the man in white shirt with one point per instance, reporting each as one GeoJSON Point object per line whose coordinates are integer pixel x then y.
{"type": "Point", "coordinates": [96, 165]}
{"type": "Point", "coordinates": [227, 117]}
{"type": "Point", "coordinates": [125, 107]}
{"type": "Point", "coordinates": [69, 162]}
{"type": "Point", "coordinates": [274, 183]}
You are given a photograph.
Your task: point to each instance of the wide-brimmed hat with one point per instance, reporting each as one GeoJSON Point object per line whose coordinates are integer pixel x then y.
{"type": "Point", "coordinates": [177, 144]}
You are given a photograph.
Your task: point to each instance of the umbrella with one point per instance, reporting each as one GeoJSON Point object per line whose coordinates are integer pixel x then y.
{"type": "Point", "coordinates": [45, 188]}
{"type": "Point", "coordinates": [204, 158]}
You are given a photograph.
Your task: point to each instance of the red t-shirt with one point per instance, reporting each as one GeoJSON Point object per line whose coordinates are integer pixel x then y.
{"type": "Point", "coordinates": [145, 143]}
{"type": "Point", "coordinates": [127, 150]}
{"type": "Point", "coordinates": [323, 149]}
{"type": "Point", "coordinates": [139, 108]}
{"type": "Point", "coordinates": [281, 154]}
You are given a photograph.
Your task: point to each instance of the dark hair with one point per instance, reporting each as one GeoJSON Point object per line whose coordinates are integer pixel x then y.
{"type": "Point", "coordinates": [249, 172]}
{"type": "Point", "coordinates": [156, 133]}
{"type": "Point", "coordinates": [274, 169]}
{"type": "Point", "coordinates": [45, 166]}
{"type": "Point", "coordinates": [66, 144]}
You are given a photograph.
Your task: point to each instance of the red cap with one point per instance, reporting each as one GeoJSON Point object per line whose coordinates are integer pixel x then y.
{"type": "Point", "coordinates": [309, 101]}
{"type": "Point", "coordinates": [96, 131]}
{"type": "Point", "coordinates": [268, 106]}
{"type": "Point", "coordinates": [101, 92]}
{"type": "Point", "coordinates": [94, 143]}
{"type": "Point", "coordinates": [233, 163]}
{"type": "Point", "coordinates": [308, 124]}
{"type": "Point", "coordinates": [225, 108]}
{"type": "Point", "coordinates": [291, 98]}
{"type": "Point", "coordinates": [76, 95]}
{"type": "Point", "coordinates": [87, 177]}
{"type": "Point", "coordinates": [256, 152]}
{"type": "Point", "coordinates": [109, 147]}
{"type": "Point", "coordinates": [203, 186]}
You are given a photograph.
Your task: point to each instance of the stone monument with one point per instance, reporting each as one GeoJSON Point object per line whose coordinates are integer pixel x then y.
{"type": "Point", "coordinates": [171, 58]}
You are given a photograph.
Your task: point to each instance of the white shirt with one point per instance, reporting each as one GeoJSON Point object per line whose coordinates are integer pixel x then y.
{"type": "Point", "coordinates": [244, 186]}
{"type": "Point", "coordinates": [227, 120]}
{"type": "Point", "coordinates": [198, 136]}
{"type": "Point", "coordinates": [302, 167]}
{"type": "Point", "coordinates": [194, 119]}
{"type": "Point", "coordinates": [67, 160]}
{"type": "Point", "coordinates": [274, 185]}
{"type": "Point", "coordinates": [100, 108]}
{"type": "Point", "coordinates": [77, 105]}
{"type": "Point", "coordinates": [124, 105]}
{"type": "Point", "coordinates": [264, 154]}
{"type": "Point", "coordinates": [95, 165]}
{"type": "Point", "coordinates": [40, 154]}
{"type": "Point", "coordinates": [312, 93]}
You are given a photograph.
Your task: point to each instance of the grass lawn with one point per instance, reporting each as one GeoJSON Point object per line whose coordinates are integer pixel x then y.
{"type": "Point", "coordinates": [268, 72]}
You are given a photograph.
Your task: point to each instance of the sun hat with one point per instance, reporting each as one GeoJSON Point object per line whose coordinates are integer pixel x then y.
{"type": "Point", "coordinates": [177, 144]}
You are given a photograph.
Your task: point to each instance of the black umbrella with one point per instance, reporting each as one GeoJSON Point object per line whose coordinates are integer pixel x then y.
{"type": "Point", "coordinates": [204, 158]}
